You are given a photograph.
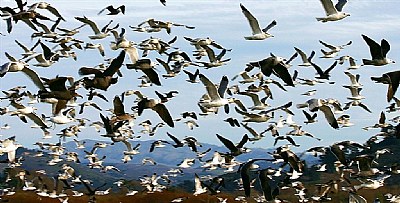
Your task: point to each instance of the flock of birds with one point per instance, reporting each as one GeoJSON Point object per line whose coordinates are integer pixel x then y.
{"type": "Point", "coordinates": [64, 93]}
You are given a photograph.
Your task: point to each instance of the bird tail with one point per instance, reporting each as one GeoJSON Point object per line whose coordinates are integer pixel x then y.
{"type": "Point", "coordinates": [321, 19]}
{"type": "Point", "coordinates": [367, 62]}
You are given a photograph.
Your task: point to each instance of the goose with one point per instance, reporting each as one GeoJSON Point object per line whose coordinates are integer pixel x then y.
{"type": "Point", "coordinates": [147, 66]}
{"type": "Point", "coordinates": [102, 80]}
{"type": "Point", "coordinates": [378, 52]}
{"type": "Point", "coordinates": [257, 33]}
{"type": "Point", "coordinates": [235, 150]}
{"type": "Point", "coordinates": [393, 81]}
{"type": "Point", "coordinates": [112, 10]}
{"type": "Point", "coordinates": [333, 13]}
{"type": "Point", "coordinates": [156, 106]}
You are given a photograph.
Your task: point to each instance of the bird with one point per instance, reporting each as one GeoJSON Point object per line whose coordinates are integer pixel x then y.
{"type": "Point", "coordinates": [306, 60]}
{"type": "Point", "coordinates": [147, 66]}
{"type": "Point", "coordinates": [334, 48]}
{"type": "Point", "coordinates": [323, 74]}
{"type": "Point", "coordinates": [99, 34]}
{"type": "Point", "coordinates": [158, 107]}
{"type": "Point", "coordinates": [192, 76]}
{"type": "Point", "coordinates": [378, 52]}
{"type": "Point", "coordinates": [112, 10]}
{"type": "Point", "coordinates": [257, 32]}
{"type": "Point", "coordinates": [102, 80]}
{"type": "Point", "coordinates": [392, 79]}
{"type": "Point", "coordinates": [235, 150]}
{"type": "Point", "coordinates": [214, 61]}
{"type": "Point", "coordinates": [333, 13]}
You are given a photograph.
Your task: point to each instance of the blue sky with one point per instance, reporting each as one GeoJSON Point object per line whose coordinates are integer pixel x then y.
{"type": "Point", "coordinates": [224, 22]}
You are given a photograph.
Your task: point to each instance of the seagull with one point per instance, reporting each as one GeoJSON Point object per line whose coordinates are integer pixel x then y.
{"type": "Point", "coordinates": [147, 66]}
{"type": "Point", "coordinates": [98, 34]}
{"type": "Point", "coordinates": [216, 96]}
{"type": "Point", "coordinates": [215, 61]}
{"type": "Point", "coordinates": [333, 13]}
{"type": "Point", "coordinates": [198, 186]}
{"type": "Point", "coordinates": [112, 10]}
{"type": "Point", "coordinates": [257, 33]}
{"type": "Point", "coordinates": [306, 60]}
{"type": "Point", "coordinates": [392, 79]}
{"type": "Point", "coordinates": [334, 48]}
{"type": "Point", "coordinates": [323, 74]}
{"type": "Point", "coordinates": [192, 76]}
{"type": "Point", "coordinates": [10, 147]}
{"type": "Point", "coordinates": [378, 52]}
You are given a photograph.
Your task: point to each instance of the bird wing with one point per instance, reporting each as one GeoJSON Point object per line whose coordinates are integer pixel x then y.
{"type": "Point", "coordinates": [34, 77]}
{"type": "Point", "coordinates": [328, 7]}
{"type": "Point", "coordinates": [282, 72]}
{"type": "Point", "coordinates": [374, 48]}
{"type": "Point", "coordinates": [210, 87]}
{"type": "Point", "coordinates": [394, 78]}
{"type": "Point", "coordinates": [255, 27]}
{"type": "Point", "coordinates": [243, 141]}
{"type": "Point", "coordinates": [118, 106]}
{"type": "Point", "coordinates": [115, 65]}
{"type": "Point", "coordinates": [340, 4]}
{"type": "Point", "coordinates": [272, 24]}
{"type": "Point", "coordinates": [153, 76]}
{"type": "Point", "coordinates": [90, 23]}
{"type": "Point", "coordinates": [164, 114]}
{"type": "Point", "coordinates": [223, 85]}
{"type": "Point", "coordinates": [228, 144]}
{"type": "Point", "coordinates": [385, 47]}
{"type": "Point", "coordinates": [329, 116]}
{"type": "Point", "coordinates": [176, 140]}
{"type": "Point", "coordinates": [210, 53]}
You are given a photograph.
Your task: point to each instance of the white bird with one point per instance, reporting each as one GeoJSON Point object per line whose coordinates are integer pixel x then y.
{"type": "Point", "coordinates": [198, 188]}
{"type": "Point", "coordinates": [333, 13]}
{"type": "Point", "coordinates": [257, 33]}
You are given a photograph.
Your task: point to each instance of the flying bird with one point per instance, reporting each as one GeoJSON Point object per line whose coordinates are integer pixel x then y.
{"type": "Point", "coordinates": [333, 13]}
{"type": "Point", "coordinates": [112, 10]}
{"type": "Point", "coordinates": [257, 32]}
{"type": "Point", "coordinates": [378, 52]}
{"type": "Point", "coordinates": [392, 79]}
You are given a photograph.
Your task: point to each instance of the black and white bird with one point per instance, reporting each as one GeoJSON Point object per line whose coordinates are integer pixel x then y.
{"type": "Point", "coordinates": [333, 13]}
{"type": "Point", "coordinates": [378, 52]}
{"type": "Point", "coordinates": [257, 32]}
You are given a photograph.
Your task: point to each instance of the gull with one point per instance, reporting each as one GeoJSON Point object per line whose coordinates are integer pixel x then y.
{"type": "Point", "coordinates": [356, 103]}
{"type": "Point", "coordinates": [170, 72]}
{"type": "Point", "coordinates": [47, 6]}
{"type": "Point", "coordinates": [232, 122]}
{"type": "Point", "coordinates": [191, 124]}
{"type": "Point", "coordinates": [203, 41]}
{"type": "Point", "coordinates": [186, 163]}
{"type": "Point", "coordinates": [328, 54]}
{"type": "Point", "coordinates": [310, 92]}
{"type": "Point", "coordinates": [215, 61]}
{"type": "Point", "coordinates": [16, 65]}
{"type": "Point", "coordinates": [393, 81]}
{"type": "Point", "coordinates": [97, 46]}
{"type": "Point", "coordinates": [344, 120]}
{"type": "Point", "coordinates": [70, 32]}
{"type": "Point", "coordinates": [378, 52]}
{"type": "Point", "coordinates": [330, 117]}
{"type": "Point", "coordinates": [27, 52]}
{"type": "Point", "coordinates": [10, 147]}
{"type": "Point", "coordinates": [333, 13]}
{"type": "Point", "coordinates": [257, 33]}
{"type": "Point", "coordinates": [334, 48]}
{"type": "Point", "coordinates": [198, 186]}
{"type": "Point", "coordinates": [246, 78]}
{"type": "Point", "coordinates": [354, 79]}
{"type": "Point", "coordinates": [297, 131]}
{"type": "Point", "coordinates": [256, 136]}
{"type": "Point", "coordinates": [353, 65]}
{"type": "Point", "coordinates": [216, 96]}
{"type": "Point", "coordinates": [47, 33]}
{"type": "Point", "coordinates": [258, 105]}
{"type": "Point", "coordinates": [355, 92]}
{"type": "Point", "coordinates": [163, 25]}
{"type": "Point", "coordinates": [306, 60]}
{"type": "Point", "coordinates": [98, 34]}
{"type": "Point", "coordinates": [45, 59]}
{"type": "Point", "coordinates": [112, 10]}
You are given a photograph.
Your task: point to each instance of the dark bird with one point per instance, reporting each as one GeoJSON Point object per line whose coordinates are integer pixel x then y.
{"type": "Point", "coordinates": [164, 2]}
{"type": "Point", "coordinates": [390, 78]}
{"type": "Point", "coordinates": [378, 52]}
{"type": "Point", "coordinates": [102, 80]}
{"type": "Point", "coordinates": [59, 91]}
{"type": "Point", "coordinates": [112, 10]}
{"type": "Point", "coordinates": [274, 65]}
{"type": "Point", "coordinates": [147, 66]}
{"type": "Point", "coordinates": [235, 150]}
{"type": "Point", "coordinates": [192, 76]}
{"type": "Point", "coordinates": [232, 122]}
{"type": "Point", "coordinates": [158, 107]}
{"type": "Point", "coordinates": [177, 142]}
{"type": "Point", "coordinates": [323, 74]}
